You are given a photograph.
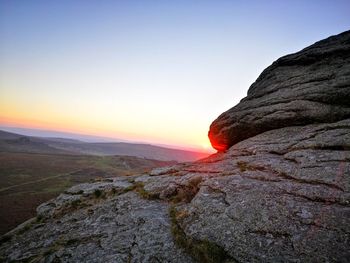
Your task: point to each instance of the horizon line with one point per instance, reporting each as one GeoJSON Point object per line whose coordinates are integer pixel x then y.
{"type": "Point", "coordinates": [103, 139]}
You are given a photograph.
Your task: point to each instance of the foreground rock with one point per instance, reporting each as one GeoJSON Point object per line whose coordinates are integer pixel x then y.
{"type": "Point", "coordinates": [280, 196]}
{"type": "Point", "coordinates": [310, 86]}
{"type": "Point", "coordinates": [99, 226]}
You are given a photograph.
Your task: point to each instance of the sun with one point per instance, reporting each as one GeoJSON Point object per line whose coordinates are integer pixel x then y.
{"type": "Point", "coordinates": [207, 146]}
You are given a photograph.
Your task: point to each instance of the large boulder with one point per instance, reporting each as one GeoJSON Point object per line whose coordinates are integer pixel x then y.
{"type": "Point", "coordinates": [310, 86]}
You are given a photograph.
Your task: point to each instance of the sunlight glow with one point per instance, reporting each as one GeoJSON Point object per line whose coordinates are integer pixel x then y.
{"type": "Point", "coordinates": [145, 71]}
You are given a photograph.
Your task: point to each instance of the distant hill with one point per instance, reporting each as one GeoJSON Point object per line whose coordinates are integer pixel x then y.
{"type": "Point", "coordinates": [59, 134]}
{"type": "Point", "coordinates": [12, 142]}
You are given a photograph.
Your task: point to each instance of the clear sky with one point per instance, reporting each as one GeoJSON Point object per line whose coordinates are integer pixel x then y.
{"type": "Point", "coordinates": [153, 71]}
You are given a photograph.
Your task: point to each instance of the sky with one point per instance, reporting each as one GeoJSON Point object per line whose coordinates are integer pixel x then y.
{"type": "Point", "coordinates": [147, 71]}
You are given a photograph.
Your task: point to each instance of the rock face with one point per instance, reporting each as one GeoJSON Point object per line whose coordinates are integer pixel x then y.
{"type": "Point", "coordinates": [310, 86]}
{"type": "Point", "coordinates": [282, 195]}
{"type": "Point", "coordinates": [83, 228]}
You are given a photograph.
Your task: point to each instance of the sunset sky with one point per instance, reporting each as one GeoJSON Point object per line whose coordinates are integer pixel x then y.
{"type": "Point", "coordinates": [150, 71]}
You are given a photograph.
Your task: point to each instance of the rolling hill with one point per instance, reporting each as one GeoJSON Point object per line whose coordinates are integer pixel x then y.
{"type": "Point", "coordinates": [36, 169]}
{"type": "Point", "coordinates": [12, 142]}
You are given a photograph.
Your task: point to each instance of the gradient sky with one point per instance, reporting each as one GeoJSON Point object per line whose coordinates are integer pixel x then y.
{"type": "Point", "coordinates": [155, 71]}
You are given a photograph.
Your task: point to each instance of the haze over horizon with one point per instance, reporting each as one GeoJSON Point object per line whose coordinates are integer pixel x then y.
{"type": "Point", "coordinates": [40, 133]}
{"type": "Point", "coordinates": [150, 71]}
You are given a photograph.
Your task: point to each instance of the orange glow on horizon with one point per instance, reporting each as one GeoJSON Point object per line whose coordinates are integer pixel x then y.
{"type": "Point", "coordinates": [123, 122]}
{"type": "Point", "coordinates": [205, 146]}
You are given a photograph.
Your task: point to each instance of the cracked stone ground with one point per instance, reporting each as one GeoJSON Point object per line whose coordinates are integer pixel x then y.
{"type": "Point", "coordinates": [258, 200]}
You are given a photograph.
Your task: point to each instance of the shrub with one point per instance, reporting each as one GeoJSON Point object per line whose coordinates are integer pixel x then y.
{"type": "Point", "coordinates": [139, 188]}
{"type": "Point", "coordinates": [243, 166]}
{"type": "Point", "coordinates": [187, 192]}
{"type": "Point", "coordinates": [75, 203]}
{"type": "Point", "coordinates": [97, 193]}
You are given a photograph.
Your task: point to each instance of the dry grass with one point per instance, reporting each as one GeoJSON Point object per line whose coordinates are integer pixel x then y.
{"type": "Point", "coordinates": [202, 251]}
{"type": "Point", "coordinates": [29, 179]}
{"type": "Point", "coordinates": [187, 192]}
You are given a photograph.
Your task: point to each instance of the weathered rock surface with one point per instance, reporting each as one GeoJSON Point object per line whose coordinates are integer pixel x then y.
{"type": "Point", "coordinates": [282, 195]}
{"type": "Point", "coordinates": [310, 86]}
{"type": "Point", "coordinates": [114, 228]}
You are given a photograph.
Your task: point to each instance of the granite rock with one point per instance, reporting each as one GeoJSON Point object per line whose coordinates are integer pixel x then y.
{"type": "Point", "coordinates": [280, 192]}
{"type": "Point", "coordinates": [310, 86]}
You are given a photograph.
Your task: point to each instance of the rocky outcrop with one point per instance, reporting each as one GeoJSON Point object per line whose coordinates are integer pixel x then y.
{"type": "Point", "coordinates": [279, 196]}
{"type": "Point", "coordinates": [310, 86]}
{"type": "Point", "coordinates": [80, 226]}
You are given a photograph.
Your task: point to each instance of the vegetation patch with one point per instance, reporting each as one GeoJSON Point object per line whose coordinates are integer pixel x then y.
{"type": "Point", "coordinates": [128, 189]}
{"type": "Point", "coordinates": [98, 193]}
{"type": "Point", "coordinates": [76, 203]}
{"type": "Point", "coordinates": [244, 166]}
{"type": "Point", "coordinates": [30, 179]}
{"type": "Point", "coordinates": [72, 241]}
{"type": "Point", "coordinates": [39, 219]}
{"type": "Point", "coordinates": [187, 192]}
{"type": "Point", "coordinates": [139, 188]}
{"type": "Point", "coordinates": [113, 191]}
{"type": "Point", "coordinates": [80, 192]}
{"type": "Point", "coordinates": [131, 180]}
{"type": "Point", "coordinates": [202, 251]}
{"type": "Point", "coordinates": [24, 229]}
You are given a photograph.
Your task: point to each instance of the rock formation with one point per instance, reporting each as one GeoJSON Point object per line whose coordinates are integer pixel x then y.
{"type": "Point", "coordinates": [278, 193]}
{"type": "Point", "coordinates": [310, 86]}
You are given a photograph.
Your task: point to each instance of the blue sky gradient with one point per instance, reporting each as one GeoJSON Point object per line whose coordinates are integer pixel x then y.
{"type": "Point", "coordinates": [158, 71]}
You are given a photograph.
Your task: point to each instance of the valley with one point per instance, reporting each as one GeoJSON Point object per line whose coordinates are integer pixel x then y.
{"type": "Point", "coordinates": [33, 171]}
